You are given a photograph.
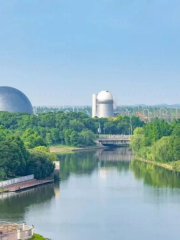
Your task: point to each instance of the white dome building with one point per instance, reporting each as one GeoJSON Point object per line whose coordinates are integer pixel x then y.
{"type": "Point", "coordinates": [102, 105]}
{"type": "Point", "coordinates": [13, 100]}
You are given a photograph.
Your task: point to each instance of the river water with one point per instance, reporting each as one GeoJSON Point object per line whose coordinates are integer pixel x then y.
{"type": "Point", "coordinates": [102, 195]}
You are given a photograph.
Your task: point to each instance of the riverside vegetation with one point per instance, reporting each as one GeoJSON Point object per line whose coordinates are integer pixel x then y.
{"type": "Point", "coordinates": [158, 142]}
{"type": "Point", "coordinates": [38, 237]}
{"type": "Point", "coordinates": [25, 139]}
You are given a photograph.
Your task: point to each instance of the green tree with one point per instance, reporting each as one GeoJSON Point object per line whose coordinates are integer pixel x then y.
{"type": "Point", "coordinates": [138, 139]}
{"type": "Point", "coordinates": [175, 147]}
{"type": "Point", "coordinates": [110, 127]}
{"type": "Point", "coordinates": [32, 139]}
{"type": "Point", "coordinates": [67, 133]}
{"type": "Point", "coordinates": [42, 148]}
{"type": "Point", "coordinates": [87, 138]}
{"type": "Point", "coordinates": [2, 173]}
{"type": "Point", "coordinates": [40, 164]}
{"type": "Point", "coordinates": [76, 125]}
{"type": "Point", "coordinates": [74, 138]}
{"type": "Point", "coordinates": [162, 150]}
{"type": "Point", "coordinates": [48, 139]}
{"type": "Point", "coordinates": [13, 156]}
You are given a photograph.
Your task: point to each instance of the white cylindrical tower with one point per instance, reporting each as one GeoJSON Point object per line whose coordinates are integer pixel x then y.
{"type": "Point", "coordinates": [105, 105]}
{"type": "Point", "coordinates": [94, 105]}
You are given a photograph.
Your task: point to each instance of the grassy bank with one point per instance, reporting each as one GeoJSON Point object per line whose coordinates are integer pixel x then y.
{"type": "Point", "coordinates": [173, 166]}
{"type": "Point", "coordinates": [38, 237]}
{"type": "Point", "coordinates": [1, 190]}
{"type": "Point", "coordinates": [62, 149]}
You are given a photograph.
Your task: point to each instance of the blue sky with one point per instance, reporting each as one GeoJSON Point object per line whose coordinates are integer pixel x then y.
{"type": "Point", "coordinates": [60, 52]}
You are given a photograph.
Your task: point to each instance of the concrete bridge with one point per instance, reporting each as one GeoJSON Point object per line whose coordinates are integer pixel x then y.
{"type": "Point", "coordinates": [114, 140]}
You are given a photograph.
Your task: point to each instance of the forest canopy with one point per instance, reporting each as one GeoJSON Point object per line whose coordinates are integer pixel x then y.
{"type": "Point", "coordinates": [25, 139]}
{"type": "Point", "coordinates": [157, 141]}
{"type": "Point", "coordinates": [75, 129]}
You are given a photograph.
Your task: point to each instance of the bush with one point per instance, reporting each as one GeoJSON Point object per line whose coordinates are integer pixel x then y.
{"type": "Point", "coordinates": [38, 237]}
{"type": "Point", "coordinates": [40, 164]}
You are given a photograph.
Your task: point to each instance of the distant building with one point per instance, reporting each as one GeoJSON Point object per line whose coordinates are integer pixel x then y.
{"type": "Point", "coordinates": [13, 100]}
{"type": "Point", "coordinates": [102, 105]}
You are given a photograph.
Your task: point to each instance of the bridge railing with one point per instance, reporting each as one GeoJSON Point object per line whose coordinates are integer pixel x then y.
{"type": "Point", "coordinates": [109, 137]}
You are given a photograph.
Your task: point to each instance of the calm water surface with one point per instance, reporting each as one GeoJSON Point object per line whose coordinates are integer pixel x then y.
{"type": "Point", "coordinates": [102, 195]}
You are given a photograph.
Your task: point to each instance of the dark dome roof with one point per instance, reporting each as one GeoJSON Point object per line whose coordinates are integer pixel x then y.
{"type": "Point", "coordinates": [13, 100]}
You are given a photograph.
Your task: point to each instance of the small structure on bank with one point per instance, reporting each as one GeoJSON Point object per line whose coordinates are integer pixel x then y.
{"type": "Point", "coordinates": [9, 231]}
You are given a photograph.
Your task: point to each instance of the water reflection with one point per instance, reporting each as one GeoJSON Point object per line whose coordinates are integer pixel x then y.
{"type": "Point", "coordinates": [14, 205]}
{"type": "Point", "coordinates": [108, 201]}
{"type": "Point", "coordinates": [154, 175]}
{"type": "Point", "coordinates": [78, 163]}
{"type": "Point", "coordinates": [115, 154]}
{"type": "Point", "coordinates": [120, 158]}
{"type": "Point", "coordinates": [87, 162]}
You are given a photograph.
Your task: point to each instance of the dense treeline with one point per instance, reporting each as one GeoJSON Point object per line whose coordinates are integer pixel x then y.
{"type": "Point", "coordinates": [75, 129]}
{"type": "Point", "coordinates": [24, 139]}
{"type": "Point", "coordinates": [158, 141]}
{"type": "Point", "coordinates": [16, 160]}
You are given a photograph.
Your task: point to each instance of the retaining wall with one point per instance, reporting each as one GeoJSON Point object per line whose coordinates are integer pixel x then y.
{"type": "Point", "coordinates": [16, 180]}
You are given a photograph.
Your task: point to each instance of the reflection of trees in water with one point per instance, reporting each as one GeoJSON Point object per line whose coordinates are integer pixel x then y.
{"type": "Point", "coordinates": [87, 162]}
{"type": "Point", "coordinates": [120, 165]}
{"type": "Point", "coordinates": [115, 154]}
{"type": "Point", "coordinates": [79, 163]}
{"type": "Point", "coordinates": [16, 205]}
{"type": "Point", "coordinates": [154, 175]}
{"type": "Point", "coordinates": [115, 157]}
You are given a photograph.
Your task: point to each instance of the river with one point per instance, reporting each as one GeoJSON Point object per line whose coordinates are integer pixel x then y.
{"type": "Point", "coordinates": [102, 195]}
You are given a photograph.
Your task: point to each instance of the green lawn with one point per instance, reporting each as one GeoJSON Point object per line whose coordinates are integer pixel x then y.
{"type": "Point", "coordinates": [62, 149]}
{"type": "Point", "coordinates": [1, 190]}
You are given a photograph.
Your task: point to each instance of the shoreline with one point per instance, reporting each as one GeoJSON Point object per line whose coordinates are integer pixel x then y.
{"type": "Point", "coordinates": [164, 165]}
{"type": "Point", "coordinates": [63, 149]}
{"type": "Point", "coordinates": [89, 149]}
{"type": "Point", "coordinates": [2, 190]}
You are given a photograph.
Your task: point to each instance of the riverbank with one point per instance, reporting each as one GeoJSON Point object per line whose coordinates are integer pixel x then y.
{"type": "Point", "coordinates": [173, 166]}
{"type": "Point", "coordinates": [2, 190]}
{"type": "Point", "coordinates": [64, 149]}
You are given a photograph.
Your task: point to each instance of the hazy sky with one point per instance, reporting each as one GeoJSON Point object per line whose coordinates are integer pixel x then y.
{"type": "Point", "coordinates": [60, 52]}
